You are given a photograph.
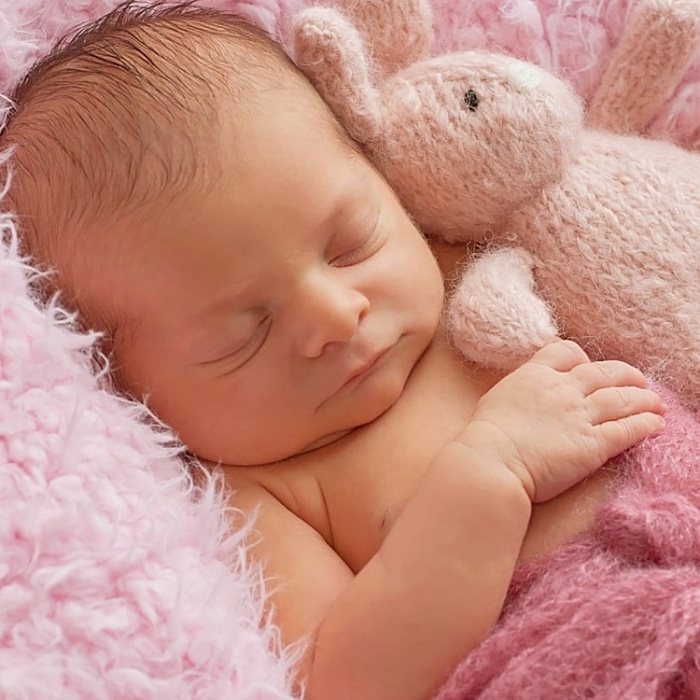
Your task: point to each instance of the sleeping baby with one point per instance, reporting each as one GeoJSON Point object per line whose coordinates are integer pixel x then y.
{"type": "Point", "coordinates": [260, 286]}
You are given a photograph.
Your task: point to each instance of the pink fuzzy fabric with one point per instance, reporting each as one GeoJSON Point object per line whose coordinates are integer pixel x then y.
{"type": "Point", "coordinates": [572, 38]}
{"type": "Point", "coordinates": [114, 581]}
{"type": "Point", "coordinates": [115, 584]}
{"type": "Point", "coordinates": [615, 613]}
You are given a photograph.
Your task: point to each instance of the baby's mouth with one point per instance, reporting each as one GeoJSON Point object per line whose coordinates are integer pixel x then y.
{"type": "Point", "coordinates": [363, 370]}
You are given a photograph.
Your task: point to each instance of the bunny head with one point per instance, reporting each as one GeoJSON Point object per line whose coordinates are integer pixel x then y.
{"type": "Point", "coordinates": [463, 138]}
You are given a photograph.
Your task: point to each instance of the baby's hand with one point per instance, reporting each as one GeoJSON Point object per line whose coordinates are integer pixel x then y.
{"type": "Point", "coordinates": [559, 417]}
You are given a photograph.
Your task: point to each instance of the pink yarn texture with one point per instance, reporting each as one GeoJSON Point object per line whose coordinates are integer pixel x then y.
{"type": "Point", "coordinates": [615, 613]}
{"type": "Point", "coordinates": [116, 583]}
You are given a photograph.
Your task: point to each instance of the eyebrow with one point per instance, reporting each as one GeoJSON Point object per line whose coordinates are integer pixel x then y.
{"type": "Point", "coordinates": [199, 340]}
{"type": "Point", "coordinates": [216, 308]}
{"type": "Point", "coordinates": [341, 203]}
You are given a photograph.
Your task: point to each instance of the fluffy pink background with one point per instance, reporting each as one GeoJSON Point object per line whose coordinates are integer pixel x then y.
{"type": "Point", "coordinates": [571, 37]}
{"type": "Point", "coordinates": [113, 583]}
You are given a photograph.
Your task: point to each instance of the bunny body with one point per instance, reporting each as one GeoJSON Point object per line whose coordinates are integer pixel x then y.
{"type": "Point", "coordinates": [615, 249]}
{"type": "Point", "coordinates": [588, 233]}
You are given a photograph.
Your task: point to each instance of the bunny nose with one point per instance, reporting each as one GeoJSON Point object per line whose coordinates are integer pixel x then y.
{"type": "Point", "coordinates": [524, 77]}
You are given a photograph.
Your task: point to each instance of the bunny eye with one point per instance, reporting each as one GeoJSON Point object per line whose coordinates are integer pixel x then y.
{"type": "Point", "coordinates": [471, 100]}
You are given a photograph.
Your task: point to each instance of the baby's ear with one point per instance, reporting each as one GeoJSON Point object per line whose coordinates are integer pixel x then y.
{"type": "Point", "coordinates": [330, 51]}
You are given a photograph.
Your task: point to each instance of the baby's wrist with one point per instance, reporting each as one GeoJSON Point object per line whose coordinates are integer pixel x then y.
{"type": "Point", "coordinates": [490, 447]}
{"type": "Point", "coordinates": [479, 454]}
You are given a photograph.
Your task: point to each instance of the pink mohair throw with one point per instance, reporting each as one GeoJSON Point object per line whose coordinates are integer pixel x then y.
{"type": "Point", "coordinates": [615, 613]}
{"type": "Point", "coordinates": [119, 580]}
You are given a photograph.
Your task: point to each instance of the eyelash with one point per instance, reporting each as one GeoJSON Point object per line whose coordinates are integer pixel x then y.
{"type": "Point", "coordinates": [358, 253]}
{"type": "Point", "coordinates": [249, 347]}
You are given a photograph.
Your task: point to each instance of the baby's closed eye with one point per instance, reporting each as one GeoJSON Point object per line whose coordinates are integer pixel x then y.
{"type": "Point", "coordinates": [245, 341]}
{"type": "Point", "coordinates": [357, 238]}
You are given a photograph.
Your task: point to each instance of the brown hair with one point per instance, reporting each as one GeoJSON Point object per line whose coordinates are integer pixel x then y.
{"type": "Point", "coordinates": [118, 115]}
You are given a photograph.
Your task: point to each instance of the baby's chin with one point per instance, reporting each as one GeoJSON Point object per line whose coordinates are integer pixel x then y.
{"type": "Point", "coordinates": [358, 408]}
{"type": "Point", "coordinates": [327, 440]}
{"type": "Point", "coordinates": [373, 403]}
{"type": "Point", "coordinates": [334, 437]}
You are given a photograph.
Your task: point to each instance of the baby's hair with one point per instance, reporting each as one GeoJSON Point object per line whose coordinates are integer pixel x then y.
{"type": "Point", "coordinates": [122, 113]}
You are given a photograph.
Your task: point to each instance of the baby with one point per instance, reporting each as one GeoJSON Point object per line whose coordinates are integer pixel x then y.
{"type": "Point", "coordinates": [261, 287]}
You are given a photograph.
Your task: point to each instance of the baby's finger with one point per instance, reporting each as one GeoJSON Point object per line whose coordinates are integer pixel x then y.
{"type": "Point", "coordinates": [561, 355]}
{"type": "Point", "coordinates": [618, 435]}
{"type": "Point", "coordinates": [613, 403]}
{"type": "Point", "coordinates": [608, 373]}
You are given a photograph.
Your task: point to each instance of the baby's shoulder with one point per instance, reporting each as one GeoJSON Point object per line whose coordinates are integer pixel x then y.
{"type": "Point", "coordinates": [304, 573]}
{"type": "Point", "coordinates": [285, 492]}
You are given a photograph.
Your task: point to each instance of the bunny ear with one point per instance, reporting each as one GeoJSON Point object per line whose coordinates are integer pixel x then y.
{"type": "Point", "coordinates": [400, 32]}
{"type": "Point", "coordinates": [647, 65]}
{"type": "Point", "coordinates": [330, 51]}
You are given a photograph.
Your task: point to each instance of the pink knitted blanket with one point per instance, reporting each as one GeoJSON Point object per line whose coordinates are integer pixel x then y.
{"type": "Point", "coordinates": [615, 613]}
{"type": "Point", "coordinates": [115, 583]}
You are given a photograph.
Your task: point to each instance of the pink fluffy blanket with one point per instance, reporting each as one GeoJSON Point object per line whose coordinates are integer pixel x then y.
{"type": "Point", "coordinates": [616, 612]}
{"type": "Point", "coordinates": [119, 579]}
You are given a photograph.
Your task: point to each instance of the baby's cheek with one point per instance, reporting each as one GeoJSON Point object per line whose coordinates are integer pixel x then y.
{"type": "Point", "coordinates": [435, 287]}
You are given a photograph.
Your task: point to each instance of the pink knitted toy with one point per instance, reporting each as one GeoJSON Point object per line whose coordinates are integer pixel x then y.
{"type": "Point", "coordinates": [587, 233]}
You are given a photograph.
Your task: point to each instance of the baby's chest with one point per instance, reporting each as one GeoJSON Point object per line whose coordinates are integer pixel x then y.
{"type": "Point", "coordinates": [366, 484]}
{"type": "Point", "coordinates": [363, 501]}
{"type": "Point", "coordinates": [364, 497]}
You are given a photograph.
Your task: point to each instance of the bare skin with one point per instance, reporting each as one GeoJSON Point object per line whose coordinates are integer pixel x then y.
{"type": "Point", "coordinates": [334, 507]}
{"type": "Point", "coordinates": [288, 325]}
{"type": "Point", "coordinates": [436, 404]}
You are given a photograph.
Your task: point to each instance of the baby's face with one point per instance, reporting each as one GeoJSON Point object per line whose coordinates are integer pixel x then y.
{"type": "Point", "coordinates": [284, 308]}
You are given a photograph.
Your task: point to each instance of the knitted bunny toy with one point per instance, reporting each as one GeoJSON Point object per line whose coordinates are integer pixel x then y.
{"type": "Point", "coordinates": [582, 230]}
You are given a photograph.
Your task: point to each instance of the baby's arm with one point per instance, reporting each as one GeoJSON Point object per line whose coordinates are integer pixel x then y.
{"type": "Point", "coordinates": [437, 584]}
{"type": "Point", "coordinates": [428, 596]}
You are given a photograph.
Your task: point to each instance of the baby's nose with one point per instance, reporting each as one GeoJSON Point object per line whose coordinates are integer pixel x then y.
{"type": "Point", "coordinates": [330, 315]}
